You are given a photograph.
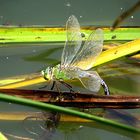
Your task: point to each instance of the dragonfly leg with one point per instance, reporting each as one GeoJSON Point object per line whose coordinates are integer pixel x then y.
{"type": "Point", "coordinates": [71, 96]}
{"type": "Point", "coordinates": [54, 82]}
{"type": "Point", "coordinates": [55, 85]}
{"type": "Point", "coordinates": [105, 87]}
{"type": "Point", "coordinates": [67, 85]}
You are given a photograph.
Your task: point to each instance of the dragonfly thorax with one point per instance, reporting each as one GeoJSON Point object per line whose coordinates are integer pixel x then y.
{"type": "Point", "coordinates": [56, 72]}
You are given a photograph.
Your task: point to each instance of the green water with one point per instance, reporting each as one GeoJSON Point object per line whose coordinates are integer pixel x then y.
{"type": "Point", "coordinates": [122, 76]}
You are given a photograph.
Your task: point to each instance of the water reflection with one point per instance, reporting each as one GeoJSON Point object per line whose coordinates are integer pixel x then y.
{"type": "Point", "coordinates": [44, 126]}
{"type": "Point", "coordinates": [51, 125]}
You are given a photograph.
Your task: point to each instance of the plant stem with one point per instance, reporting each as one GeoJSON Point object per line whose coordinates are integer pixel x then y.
{"type": "Point", "coordinates": [46, 106]}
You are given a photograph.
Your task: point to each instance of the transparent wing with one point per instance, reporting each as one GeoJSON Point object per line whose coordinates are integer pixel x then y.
{"type": "Point", "coordinates": [91, 81]}
{"type": "Point", "coordinates": [86, 57]}
{"type": "Point", "coordinates": [73, 41]}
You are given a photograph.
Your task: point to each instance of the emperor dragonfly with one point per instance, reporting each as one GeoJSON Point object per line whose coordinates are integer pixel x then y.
{"type": "Point", "coordinates": [77, 58]}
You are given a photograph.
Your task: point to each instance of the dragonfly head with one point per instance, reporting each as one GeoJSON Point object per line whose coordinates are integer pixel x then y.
{"type": "Point", "coordinates": [47, 74]}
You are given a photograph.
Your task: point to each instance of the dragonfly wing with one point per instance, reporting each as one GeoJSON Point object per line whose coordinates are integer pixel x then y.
{"type": "Point", "coordinates": [73, 41]}
{"type": "Point", "coordinates": [86, 57]}
{"type": "Point", "coordinates": [91, 81]}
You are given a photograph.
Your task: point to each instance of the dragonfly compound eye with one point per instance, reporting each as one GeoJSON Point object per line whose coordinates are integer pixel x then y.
{"type": "Point", "coordinates": [46, 73]}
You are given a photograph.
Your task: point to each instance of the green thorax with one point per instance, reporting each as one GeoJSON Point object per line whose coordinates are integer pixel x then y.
{"type": "Point", "coordinates": [59, 73]}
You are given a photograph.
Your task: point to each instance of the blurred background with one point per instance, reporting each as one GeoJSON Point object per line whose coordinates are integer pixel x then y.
{"type": "Point", "coordinates": [55, 13]}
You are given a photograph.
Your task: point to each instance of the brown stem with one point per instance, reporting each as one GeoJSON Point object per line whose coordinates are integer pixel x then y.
{"type": "Point", "coordinates": [82, 100]}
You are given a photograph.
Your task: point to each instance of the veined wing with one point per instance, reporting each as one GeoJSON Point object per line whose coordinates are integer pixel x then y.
{"type": "Point", "coordinates": [86, 57]}
{"type": "Point", "coordinates": [89, 79]}
{"type": "Point", "coordinates": [92, 81]}
{"type": "Point", "coordinates": [73, 42]}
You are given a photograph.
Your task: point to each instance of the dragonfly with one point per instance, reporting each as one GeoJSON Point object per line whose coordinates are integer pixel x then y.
{"type": "Point", "coordinates": [78, 58]}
